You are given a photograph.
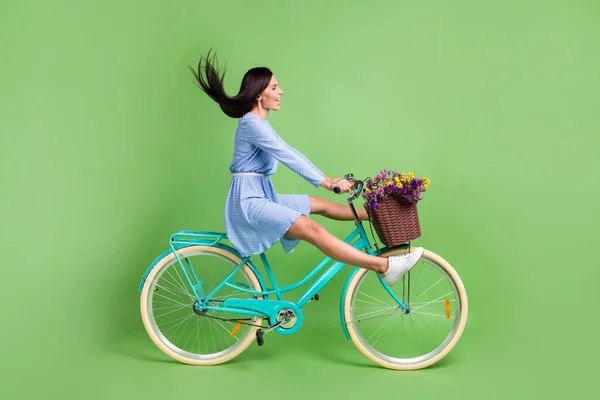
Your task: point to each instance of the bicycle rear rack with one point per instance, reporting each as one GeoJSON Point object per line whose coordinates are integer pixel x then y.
{"type": "Point", "coordinates": [188, 237]}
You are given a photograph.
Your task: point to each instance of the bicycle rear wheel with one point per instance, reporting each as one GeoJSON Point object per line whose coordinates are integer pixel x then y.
{"type": "Point", "coordinates": [395, 339]}
{"type": "Point", "coordinates": [186, 334]}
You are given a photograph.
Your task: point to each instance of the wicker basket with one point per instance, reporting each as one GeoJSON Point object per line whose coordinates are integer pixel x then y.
{"type": "Point", "coordinates": [396, 222]}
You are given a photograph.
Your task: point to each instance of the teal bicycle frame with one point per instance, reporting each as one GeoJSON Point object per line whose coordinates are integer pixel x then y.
{"type": "Point", "coordinates": [265, 307]}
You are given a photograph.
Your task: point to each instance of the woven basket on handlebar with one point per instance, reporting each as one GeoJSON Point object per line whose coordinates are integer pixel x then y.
{"type": "Point", "coordinates": [396, 222]}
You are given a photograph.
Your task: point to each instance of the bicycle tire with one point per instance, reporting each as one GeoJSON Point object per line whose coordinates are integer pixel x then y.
{"type": "Point", "coordinates": [393, 353]}
{"type": "Point", "coordinates": [225, 260]}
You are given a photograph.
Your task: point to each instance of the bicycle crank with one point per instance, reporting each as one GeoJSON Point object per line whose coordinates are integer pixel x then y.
{"type": "Point", "coordinates": [287, 318]}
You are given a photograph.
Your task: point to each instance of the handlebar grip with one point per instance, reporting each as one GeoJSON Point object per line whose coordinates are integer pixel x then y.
{"type": "Point", "coordinates": [349, 177]}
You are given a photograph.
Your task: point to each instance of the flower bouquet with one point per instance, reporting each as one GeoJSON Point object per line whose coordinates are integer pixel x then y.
{"type": "Point", "coordinates": [391, 202]}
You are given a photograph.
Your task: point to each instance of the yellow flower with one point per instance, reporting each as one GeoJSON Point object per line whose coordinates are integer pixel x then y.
{"type": "Point", "coordinates": [367, 190]}
{"type": "Point", "coordinates": [411, 175]}
{"type": "Point", "coordinates": [388, 183]}
{"type": "Point", "coordinates": [426, 182]}
{"type": "Point", "coordinates": [399, 185]}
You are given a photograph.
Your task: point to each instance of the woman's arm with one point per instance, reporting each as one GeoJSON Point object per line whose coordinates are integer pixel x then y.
{"type": "Point", "coordinates": [269, 141]}
{"type": "Point", "coordinates": [326, 182]}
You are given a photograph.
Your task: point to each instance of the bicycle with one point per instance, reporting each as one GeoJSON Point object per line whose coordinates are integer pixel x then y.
{"type": "Point", "coordinates": [204, 304]}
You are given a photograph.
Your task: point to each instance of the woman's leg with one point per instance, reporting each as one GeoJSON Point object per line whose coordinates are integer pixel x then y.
{"type": "Point", "coordinates": [333, 210]}
{"type": "Point", "coordinates": [306, 229]}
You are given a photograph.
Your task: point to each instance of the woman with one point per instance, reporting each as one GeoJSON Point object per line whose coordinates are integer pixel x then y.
{"type": "Point", "coordinates": [256, 216]}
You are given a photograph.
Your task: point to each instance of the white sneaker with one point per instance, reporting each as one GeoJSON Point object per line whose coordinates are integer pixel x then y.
{"type": "Point", "coordinates": [400, 265]}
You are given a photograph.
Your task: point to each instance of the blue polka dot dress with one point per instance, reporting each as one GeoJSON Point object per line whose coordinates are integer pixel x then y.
{"type": "Point", "coordinates": [256, 216]}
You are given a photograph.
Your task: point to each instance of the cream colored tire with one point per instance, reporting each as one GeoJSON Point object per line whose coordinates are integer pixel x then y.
{"type": "Point", "coordinates": [162, 342]}
{"type": "Point", "coordinates": [413, 364]}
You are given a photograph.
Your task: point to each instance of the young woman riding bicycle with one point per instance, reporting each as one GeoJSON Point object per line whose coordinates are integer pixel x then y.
{"type": "Point", "coordinates": [256, 216]}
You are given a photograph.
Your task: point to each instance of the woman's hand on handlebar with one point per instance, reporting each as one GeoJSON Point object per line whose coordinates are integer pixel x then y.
{"type": "Point", "coordinates": [342, 184]}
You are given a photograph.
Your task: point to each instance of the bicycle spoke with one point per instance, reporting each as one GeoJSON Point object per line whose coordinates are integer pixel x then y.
{"type": "Point", "coordinates": [224, 328]}
{"type": "Point", "coordinates": [442, 296]}
{"type": "Point", "coordinates": [164, 288]}
{"type": "Point", "coordinates": [226, 297]}
{"type": "Point", "coordinates": [417, 332]}
{"type": "Point", "coordinates": [163, 305]}
{"type": "Point", "coordinates": [172, 311]}
{"type": "Point", "coordinates": [189, 337]}
{"type": "Point", "coordinates": [183, 329]}
{"type": "Point", "coordinates": [204, 336]}
{"type": "Point", "coordinates": [380, 329]}
{"type": "Point", "coordinates": [435, 315]}
{"type": "Point", "coordinates": [178, 325]}
{"type": "Point", "coordinates": [213, 336]}
{"type": "Point", "coordinates": [431, 287]}
{"type": "Point", "coordinates": [362, 316]}
{"type": "Point", "coordinates": [373, 317]}
{"type": "Point", "coordinates": [174, 286]}
{"type": "Point", "coordinates": [180, 283]}
{"type": "Point", "coordinates": [368, 302]}
{"type": "Point", "coordinates": [382, 302]}
{"type": "Point", "coordinates": [174, 301]}
{"type": "Point", "coordinates": [172, 307]}
{"type": "Point", "coordinates": [437, 301]}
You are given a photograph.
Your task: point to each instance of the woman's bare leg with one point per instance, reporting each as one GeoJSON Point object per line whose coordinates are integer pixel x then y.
{"type": "Point", "coordinates": [334, 211]}
{"type": "Point", "coordinates": [306, 229]}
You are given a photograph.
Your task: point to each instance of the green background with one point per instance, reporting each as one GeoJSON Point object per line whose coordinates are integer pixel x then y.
{"type": "Point", "coordinates": [107, 148]}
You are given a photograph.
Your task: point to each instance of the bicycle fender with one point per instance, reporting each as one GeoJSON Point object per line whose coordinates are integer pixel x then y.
{"type": "Point", "coordinates": [220, 245]}
{"type": "Point", "coordinates": [342, 316]}
{"type": "Point", "coordinates": [156, 260]}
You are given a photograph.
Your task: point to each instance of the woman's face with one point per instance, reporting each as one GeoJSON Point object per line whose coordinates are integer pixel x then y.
{"type": "Point", "coordinates": [271, 96]}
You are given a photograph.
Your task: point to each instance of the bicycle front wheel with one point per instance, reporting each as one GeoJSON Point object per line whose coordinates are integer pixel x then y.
{"type": "Point", "coordinates": [182, 331]}
{"type": "Point", "coordinates": [413, 339]}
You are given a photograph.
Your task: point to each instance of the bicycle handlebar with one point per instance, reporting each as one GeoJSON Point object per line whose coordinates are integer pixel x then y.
{"type": "Point", "coordinates": [358, 190]}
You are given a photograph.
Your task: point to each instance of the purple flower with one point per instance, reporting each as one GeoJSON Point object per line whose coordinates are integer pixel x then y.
{"type": "Point", "coordinates": [379, 191]}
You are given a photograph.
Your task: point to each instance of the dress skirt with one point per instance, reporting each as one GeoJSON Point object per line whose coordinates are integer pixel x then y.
{"type": "Point", "coordinates": [257, 217]}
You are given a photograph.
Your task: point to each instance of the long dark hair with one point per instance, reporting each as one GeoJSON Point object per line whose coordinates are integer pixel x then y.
{"type": "Point", "coordinates": [255, 81]}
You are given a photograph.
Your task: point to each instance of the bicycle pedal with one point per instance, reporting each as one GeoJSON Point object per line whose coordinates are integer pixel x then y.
{"type": "Point", "coordinates": [259, 337]}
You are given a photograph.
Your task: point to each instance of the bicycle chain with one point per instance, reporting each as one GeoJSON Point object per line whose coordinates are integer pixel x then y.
{"type": "Point", "coordinates": [238, 320]}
